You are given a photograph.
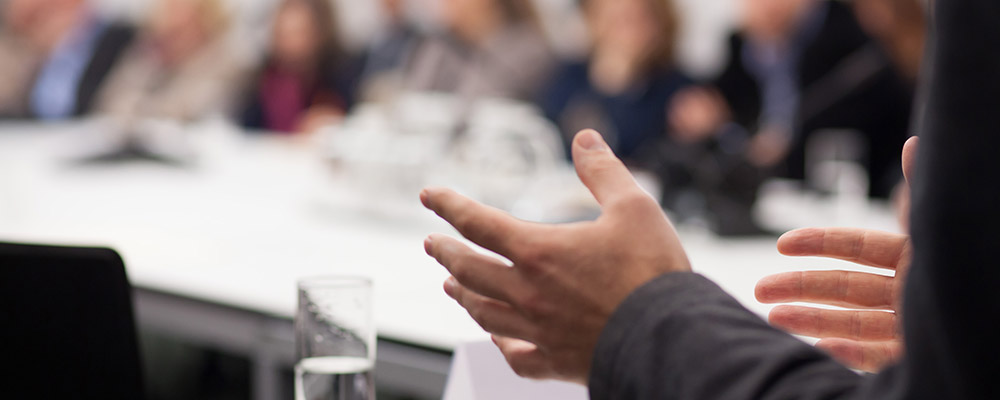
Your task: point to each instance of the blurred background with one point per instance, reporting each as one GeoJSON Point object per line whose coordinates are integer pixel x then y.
{"type": "Point", "coordinates": [199, 132]}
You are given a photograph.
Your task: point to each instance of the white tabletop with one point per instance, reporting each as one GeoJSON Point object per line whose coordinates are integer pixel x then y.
{"type": "Point", "coordinates": [256, 214]}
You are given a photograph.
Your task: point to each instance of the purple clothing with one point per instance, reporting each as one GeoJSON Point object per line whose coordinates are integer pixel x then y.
{"type": "Point", "coordinates": [283, 98]}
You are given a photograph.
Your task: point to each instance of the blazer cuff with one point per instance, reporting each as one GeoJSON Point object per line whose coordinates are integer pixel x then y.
{"type": "Point", "coordinates": [645, 309]}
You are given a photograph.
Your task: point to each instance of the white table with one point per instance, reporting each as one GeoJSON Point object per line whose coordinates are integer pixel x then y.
{"type": "Point", "coordinates": [215, 249]}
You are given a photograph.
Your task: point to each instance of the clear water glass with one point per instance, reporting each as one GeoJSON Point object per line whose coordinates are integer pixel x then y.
{"type": "Point", "coordinates": [335, 339]}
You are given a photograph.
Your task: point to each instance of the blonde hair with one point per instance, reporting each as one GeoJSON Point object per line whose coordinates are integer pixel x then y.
{"type": "Point", "coordinates": [213, 15]}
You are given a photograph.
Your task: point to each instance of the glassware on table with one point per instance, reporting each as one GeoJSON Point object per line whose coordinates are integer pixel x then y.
{"type": "Point", "coordinates": [335, 339]}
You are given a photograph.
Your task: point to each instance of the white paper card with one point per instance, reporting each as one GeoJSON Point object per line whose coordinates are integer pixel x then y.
{"type": "Point", "coordinates": [479, 372]}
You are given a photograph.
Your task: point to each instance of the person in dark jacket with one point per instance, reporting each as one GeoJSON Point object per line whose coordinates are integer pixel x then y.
{"type": "Point", "coordinates": [388, 56]}
{"type": "Point", "coordinates": [625, 88]}
{"type": "Point", "coordinates": [798, 68]}
{"type": "Point", "coordinates": [613, 303]}
{"type": "Point", "coordinates": [78, 49]}
{"type": "Point", "coordinates": [627, 80]}
{"type": "Point", "coordinates": [306, 81]}
{"type": "Point", "coordinates": [488, 49]}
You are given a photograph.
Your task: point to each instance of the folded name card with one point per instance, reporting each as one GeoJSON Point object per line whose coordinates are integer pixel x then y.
{"type": "Point", "coordinates": [479, 372]}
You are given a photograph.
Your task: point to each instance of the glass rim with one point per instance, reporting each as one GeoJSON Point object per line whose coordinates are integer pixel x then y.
{"type": "Point", "coordinates": [333, 281]}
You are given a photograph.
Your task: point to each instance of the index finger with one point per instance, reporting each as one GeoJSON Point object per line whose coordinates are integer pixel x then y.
{"type": "Point", "coordinates": [486, 226]}
{"type": "Point", "coordinates": [862, 246]}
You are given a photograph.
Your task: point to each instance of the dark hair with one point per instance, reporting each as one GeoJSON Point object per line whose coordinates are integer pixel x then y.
{"type": "Point", "coordinates": [332, 60]}
{"type": "Point", "coordinates": [326, 18]}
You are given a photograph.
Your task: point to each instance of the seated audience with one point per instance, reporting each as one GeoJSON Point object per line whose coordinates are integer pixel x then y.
{"type": "Point", "coordinates": [306, 79]}
{"type": "Point", "coordinates": [389, 54]}
{"type": "Point", "coordinates": [180, 68]}
{"type": "Point", "coordinates": [798, 67]}
{"type": "Point", "coordinates": [493, 48]}
{"type": "Point", "coordinates": [624, 89]}
{"type": "Point", "coordinates": [900, 27]}
{"type": "Point", "coordinates": [77, 49]}
{"type": "Point", "coordinates": [629, 77]}
{"type": "Point", "coordinates": [18, 61]}
{"type": "Point", "coordinates": [613, 304]}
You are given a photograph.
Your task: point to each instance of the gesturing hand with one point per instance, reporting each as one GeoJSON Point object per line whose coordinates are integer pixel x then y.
{"type": "Point", "coordinates": [865, 337]}
{"type": "Point", "coordinates": [547, 308]}
{"type": "Point", "coordinates": [861, 338]}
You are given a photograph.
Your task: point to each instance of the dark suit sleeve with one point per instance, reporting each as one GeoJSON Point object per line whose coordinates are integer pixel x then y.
{"type": "Point", "coordinates": [111, 46]}
{"type": "Point", "coordinates": [681, 337]}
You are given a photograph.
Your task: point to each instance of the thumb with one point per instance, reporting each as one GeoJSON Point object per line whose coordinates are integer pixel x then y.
{"type": "Point", "coordinates": [603, 173]}
{"type": "Point", "coordinates": [910, 158]}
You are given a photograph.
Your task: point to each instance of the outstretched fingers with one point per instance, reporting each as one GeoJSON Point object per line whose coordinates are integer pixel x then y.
{"type": "Point", "coordinates": [481, 273]}
{"type": "Point", "coordinates": [601, 171]}
{"type": "Point", "coordinates": [838, 288]}
{"type": "Point", "coordinates": [862, 246]}
{"type": "Point", "coordinates": [486, 226]}
{"type": "Point", "coordinates": [493, 316]}
{"type": "Point", "coordinates": [845, 324]}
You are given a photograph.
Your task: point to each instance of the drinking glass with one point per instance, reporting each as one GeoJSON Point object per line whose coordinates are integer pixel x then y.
{"type": "Point", "coordinates": [335, 339]}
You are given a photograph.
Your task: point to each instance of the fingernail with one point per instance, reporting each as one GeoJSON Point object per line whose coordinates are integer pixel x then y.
{"type": "Point", "coordinates": [424, 198]}
{"type": "Point", "coordinates": [428, 242]}
{"type": "Point", "coordinates": [449, 286]}
{"type": "Point", "coordinates": [591, 140]}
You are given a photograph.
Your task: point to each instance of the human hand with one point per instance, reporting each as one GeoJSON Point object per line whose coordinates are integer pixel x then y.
{"type": "Point", "coordinates": [866, 340]}
{"type": "Point", "coordinates": [696, 113]}
{"type": "Point", "coordinates": [547, 308]}
{"type": "Point", "coordinates": [317, 117]}
{"type": "Point", "coordinates": [768, 147]}
{"type": "Point", "coordinates": [901, 195]}
{"type": "Point", "coordinates": [866, 336]}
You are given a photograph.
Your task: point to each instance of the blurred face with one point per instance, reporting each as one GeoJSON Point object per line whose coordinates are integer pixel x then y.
{"type": "Point", "coordinates": [395, 9]}
{"type": "Point", "coordinates": [470, 17]}
{"type": "Point", "coordinates": [875, 16]}
{"type": "Point", "coordinates": [624, 26]}
{"type": "Point", "coordinates": [178, 27]}
{"type": "Point", "coordinates": [20, 16]}
{"type": "Point", "coordinates": [297, 37]}
{"type": "Point", "coordinates": [174, 17]}
{"type": "Point", "coordinates": [773, 20]}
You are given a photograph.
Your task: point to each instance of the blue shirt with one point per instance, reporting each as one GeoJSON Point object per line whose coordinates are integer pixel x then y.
{"type": "Point", "coordinates": [54, 95]}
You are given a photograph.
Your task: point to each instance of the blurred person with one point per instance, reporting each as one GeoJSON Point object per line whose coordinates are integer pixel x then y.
{"type": "Point", "coordinates": [624, 89]}
{"type": "Point", "coordinates": [900, 27]}
{"type": "Point", "coordinates": [797, 67]}
{"type": "Point", "coordinates": [180, 68]}
{"type": "Point", "coordinates": [18, 62]}
{"type": "Point", "coordinates": [306, 80]}
{"type": "Point", "coordinates": [77, 49]}
{"type": "Point", "coordinates": [613, 304]}
{"type": "Point", "coordinates": [493, 48]}
{"type": "Point", "coordinates": [390, 53]}
{"type": "Point", "coordinates": [628, 78]}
